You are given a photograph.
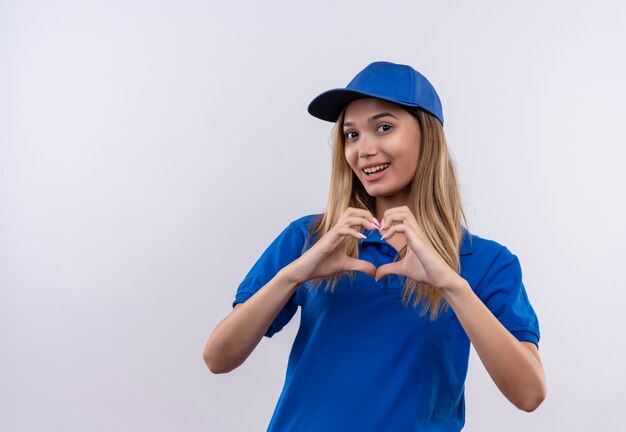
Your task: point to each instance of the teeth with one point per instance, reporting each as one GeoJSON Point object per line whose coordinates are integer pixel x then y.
{"type": "Point", "coordinates": [372, 170]}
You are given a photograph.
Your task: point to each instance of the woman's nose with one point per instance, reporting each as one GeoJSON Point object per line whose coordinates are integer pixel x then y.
{"type": "Point", "coordinates": [366, 148]}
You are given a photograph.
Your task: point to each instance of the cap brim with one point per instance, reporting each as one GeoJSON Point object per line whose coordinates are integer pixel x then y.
{"type": "Point", "coordinates": [328, 105]}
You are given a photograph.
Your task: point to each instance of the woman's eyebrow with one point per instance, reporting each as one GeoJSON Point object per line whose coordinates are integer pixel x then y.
{"type": "Point", "coordinates": [372, 118]}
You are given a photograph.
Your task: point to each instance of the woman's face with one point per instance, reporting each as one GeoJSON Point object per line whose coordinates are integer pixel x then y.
{"type": "Point", "coordinates": [382, 137]}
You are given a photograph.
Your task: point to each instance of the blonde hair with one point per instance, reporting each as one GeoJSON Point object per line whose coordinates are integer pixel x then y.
{"type": "Point", "coordinates": [434, 200]}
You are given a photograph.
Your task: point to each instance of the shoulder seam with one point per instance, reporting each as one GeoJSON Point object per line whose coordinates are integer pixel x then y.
{"type": "Point", "coordinates": [503, 250]}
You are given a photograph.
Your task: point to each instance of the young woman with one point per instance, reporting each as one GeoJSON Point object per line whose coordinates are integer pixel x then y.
{"type": "Point", "coordinates": [392, 287]}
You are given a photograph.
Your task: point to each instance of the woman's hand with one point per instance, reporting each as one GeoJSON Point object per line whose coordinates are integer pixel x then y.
{"type": "Point", "coordinates": [421, 262]}
{"type": "Point", "coordinates": [328, 255]}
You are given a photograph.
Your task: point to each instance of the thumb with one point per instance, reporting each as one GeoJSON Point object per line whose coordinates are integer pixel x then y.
{"type": "Point", "coordinates": [387, 269]}
{"type": "Point", "coordinates": [362, 266]}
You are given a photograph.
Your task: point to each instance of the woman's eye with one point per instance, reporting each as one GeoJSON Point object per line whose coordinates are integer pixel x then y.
{"type": "Point", "coordinates": [384, 126]}
{"type": "Point", "coordinates": [349, 134]}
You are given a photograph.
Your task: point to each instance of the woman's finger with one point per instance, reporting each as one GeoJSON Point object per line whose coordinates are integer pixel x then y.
{"type": "Point", "coordinates": [388, 220]}
{"type": "Point", "coordinates": [350, 211]}
{"type": "Point", "coordinates": [338, 234]}
{"type": "Point", "coordinates": [359, 221]}
{"type": "Point", "coordinates": [413, 240]}
{"type": "Point", "coordinates": [390, 232]}
{"type": "Point", "coordinates": [345, 231]}
{"type": "Point", "coordinates": [387, 269]}
{"type": "Point", "coordinates": [361, 266]}
{"type": "Point", "coordinates": [396, 214]}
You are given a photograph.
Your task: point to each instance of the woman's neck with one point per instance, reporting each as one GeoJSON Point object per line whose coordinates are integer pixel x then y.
{"type": "Point", "coordinates": [385, 203]}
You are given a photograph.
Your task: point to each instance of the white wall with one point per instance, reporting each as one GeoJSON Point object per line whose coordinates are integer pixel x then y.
{"type": "Point", "coordinates": [151, 150]}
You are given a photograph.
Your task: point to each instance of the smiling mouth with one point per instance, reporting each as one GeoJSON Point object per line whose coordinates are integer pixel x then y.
{"type": "Point", "coordinates": [376, 169]}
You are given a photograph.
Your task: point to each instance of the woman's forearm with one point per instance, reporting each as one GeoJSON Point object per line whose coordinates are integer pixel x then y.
{"type": "Point", "coordinates": [237, 335]}
{"type": "Point", "coordinates": [516, 371]}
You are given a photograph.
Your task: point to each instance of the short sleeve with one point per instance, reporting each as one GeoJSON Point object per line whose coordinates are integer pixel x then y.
{"type": "Point", "coordinates": [282, 251]}
{"type": "Point", "coordinates": [503, 292]}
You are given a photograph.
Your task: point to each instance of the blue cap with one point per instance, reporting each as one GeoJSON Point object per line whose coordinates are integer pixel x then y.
{"type": "Point", "coordinates": [392, 82]}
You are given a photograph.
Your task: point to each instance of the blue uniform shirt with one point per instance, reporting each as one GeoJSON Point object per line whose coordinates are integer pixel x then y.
{"type": "Point", "coordinates": [361, 361]}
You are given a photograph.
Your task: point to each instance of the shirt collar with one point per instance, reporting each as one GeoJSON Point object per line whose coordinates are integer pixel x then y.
{"type": "Point", "coordinates": [374, 237]}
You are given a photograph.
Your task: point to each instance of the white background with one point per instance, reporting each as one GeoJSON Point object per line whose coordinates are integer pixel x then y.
{"type": "Point", "coordinates": [151, 150]}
